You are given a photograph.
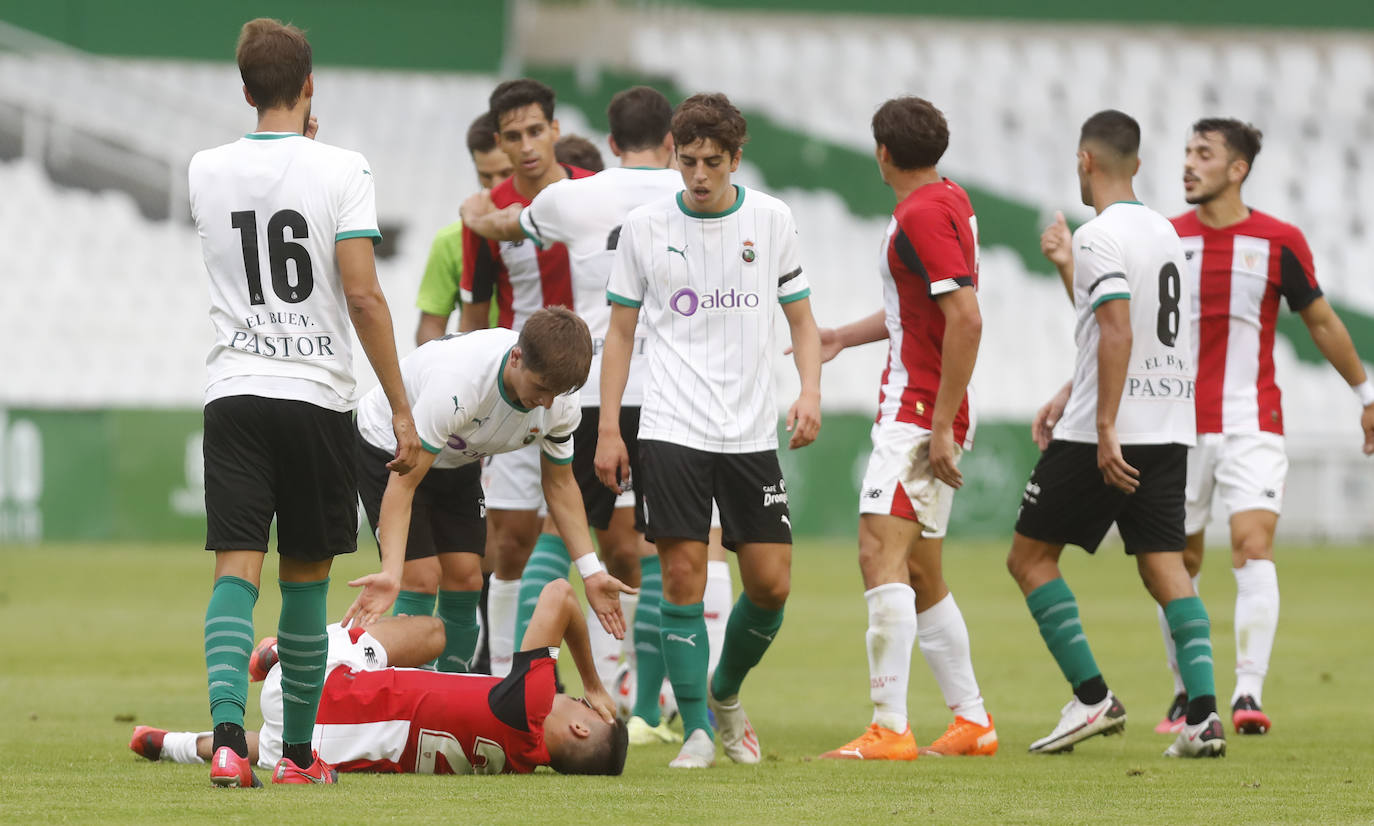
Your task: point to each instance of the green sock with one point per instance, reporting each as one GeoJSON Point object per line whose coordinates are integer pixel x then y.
{"type": "Point", "coordinates": [303, 646]}
{"type": "Point", "coordinates": [414, 604]}
{"type": "Point", "coordinates": [228, 644]}
{"type": "Point", "coordinates": [1191, 630]}
{"type": "Point", "coordinates": [1056, 612]}
{"type": "Point", "coordinates": [748, 633]}
{"type": "Point", "coordinates": [649, 666]}
{"type": "Point", "coordinates": [548, 562]}
{"type": "Point", "coordinates": [458, 610]}
{"type": "Point", "coordinates": [686, 653]}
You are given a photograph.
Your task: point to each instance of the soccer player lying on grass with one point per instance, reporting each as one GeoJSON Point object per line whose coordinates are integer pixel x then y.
{"type": "Point", "coordinates": [377, 717]}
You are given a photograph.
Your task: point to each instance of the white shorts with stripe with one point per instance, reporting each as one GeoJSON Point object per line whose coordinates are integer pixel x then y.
{"type": "Point", "coordinates": [1245, 471]}
{"type": "Point", "coordinates": [899, 480]}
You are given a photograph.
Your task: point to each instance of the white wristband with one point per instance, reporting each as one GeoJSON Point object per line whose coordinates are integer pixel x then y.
{"type": "Point", "coordinates": [1365, 392]}
{"type": "Point", "coordinates": [588, 566]}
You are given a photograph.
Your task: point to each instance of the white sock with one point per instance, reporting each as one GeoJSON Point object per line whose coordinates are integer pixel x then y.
{"type": "Point", "coordinates": [1170, 649]}
{"type": "Point", "coordinates": [503, 597]}
{"type": "Point", "coordinates": [180, 746]}
{"type": "Point", "coordinates": [891, 633]}
{"type": "Point", "coordinates": [717, 605]}
{"type": "Point", "coordinates": [629, 603]}
{"type": "Point", "coordinates": [1257, 617]}
{"type": "Point", "coordinates": [944, 643]}
{"type": "Point", "coordinates": [605, 649]}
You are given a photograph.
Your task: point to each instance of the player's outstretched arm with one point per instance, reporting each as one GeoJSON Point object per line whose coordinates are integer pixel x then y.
{"type": "Point", "coordinates": [557, 619]}
{"type": "Point", "coordinates": [482, 216]}
{"type": "Point", "coordinates": [393, 530]}
{"type": "Point", "coordinates": [959, 352]}
{"type": "Point", "coordinates": [1056, 244]}
{"type": "Point", "coordinates": [1333, 340]}
{"type": "Point", "coordinates": [612, 459]}
{"type": "Point", "coordinates": [1113, 360]}
{"type": "Point", "coordinates": [564, 499]}
{"type": "Point", "coordinates": [372, 319]}
{"type": "Point", "coordinates": [804, 417]}
{"type": "Point", "coordinates": [866, 330]}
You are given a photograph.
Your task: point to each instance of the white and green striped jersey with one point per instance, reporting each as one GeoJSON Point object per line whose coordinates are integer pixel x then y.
{"type": "Point", "coordinates": [269, 208]}
{"type": "Point", "coordinates": [707, 285]}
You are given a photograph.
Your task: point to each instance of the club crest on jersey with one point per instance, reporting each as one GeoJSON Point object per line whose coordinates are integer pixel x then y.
{"type": "Point", "coordinates": [748, 254]}
{"type": "Point", "coordinates": [531, 436]}
{"type": "Point", "coordinates": [1251, 260]}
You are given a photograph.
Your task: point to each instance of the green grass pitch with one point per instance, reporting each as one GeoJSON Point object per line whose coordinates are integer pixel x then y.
{"type": "Point", "coordinates": [99, 637]}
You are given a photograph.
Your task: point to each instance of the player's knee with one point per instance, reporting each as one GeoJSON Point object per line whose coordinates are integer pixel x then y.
{"type": "Point", "coordinates": [771, 596]}
{"type": "Point", "coordinates": [622, 559]}
{"type": "Point", "coordinates": [1252, 546]}
{"type": "Point", "coordinates": [1019, 564]}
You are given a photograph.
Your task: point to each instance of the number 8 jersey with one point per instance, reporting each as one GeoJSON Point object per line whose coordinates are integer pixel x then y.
{"type": "Point", "coordinates": [1131, 252]}
{"type": "Point", "coordinates": [269, 208]}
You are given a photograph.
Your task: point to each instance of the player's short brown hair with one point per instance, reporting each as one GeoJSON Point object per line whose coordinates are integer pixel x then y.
{"type": "Point", "coordinates": [640, 117]}
{"type": "Point", "coordinates": [482, 134]}
{"type": "Point", "coordinates": [557, 347]}
{"type": "Point", "coordinates": [913, 130]}
{"type": "Point", "coordinates": [517, 94]}
{"type": "Point", "coordinates": [274, 62]}
{"type": "Point", "coordinates": [1113, 129]}
{"type": "Point", "coordinates": [713, 117]}
{"type": "Point", "coordinates": [603, 754]}
{"type": "Point", "coordinates": [576, 150]}
{"type": "Point", "coordinates": [1243, 139]}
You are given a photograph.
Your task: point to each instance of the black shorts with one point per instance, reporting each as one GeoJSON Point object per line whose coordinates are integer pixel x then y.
{"type": "Point", "coordinates": [679, 484]}
{"type": "Point", "coordinates": [1067, 503]}
{"type": "Point", "coordinates": [598, 499]}
{"type": "Point", "coordinates": [448, 513]}
{"type": "Point", "coordinates": [291, 459]}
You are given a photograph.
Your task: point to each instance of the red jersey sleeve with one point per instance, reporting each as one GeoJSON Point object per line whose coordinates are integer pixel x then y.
{"type": "Point", "coordinates": [929, 245]}
{"type": "Point", "coordinates": [481, 265]}
{"type": "Point", "coordinates": [1297, 276]}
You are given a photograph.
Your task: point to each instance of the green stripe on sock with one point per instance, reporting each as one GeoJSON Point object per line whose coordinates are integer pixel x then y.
{"type": "Point", "coordinates": [458, 610]}
{"type": "Point", "coordinates": [303, 650]}
{"type": "Point", "coordinates": [548, 562]}
{"type": "Point", "coordinates": [1056, 612]}
{"type": "Point", "coordinates": [228, 646]}
{"type": "Point", "coordinates": [649, 666]}
{"type": "Point", "coordinates": [686, 652]}
{"type": "Point", "coordinates": [414, 604]}
{"type": "Point", "coordinates": [1192, 632]}
{"type": "Point", "coordinates": [748, 633]}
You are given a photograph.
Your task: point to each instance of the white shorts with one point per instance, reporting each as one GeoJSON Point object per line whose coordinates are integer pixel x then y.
{"type": "Point", "coordinates": [1245, 471]}
{"type": "Point", "coordinates": [512, 480]}
{"type": "Point", "coordinates": [899, 481]}
{"type": "Point", "coordinates": [361, 654]}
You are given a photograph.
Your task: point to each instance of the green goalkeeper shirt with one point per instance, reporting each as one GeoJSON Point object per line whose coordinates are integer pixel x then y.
{"type": "Point", "coordinates": [438, 293]}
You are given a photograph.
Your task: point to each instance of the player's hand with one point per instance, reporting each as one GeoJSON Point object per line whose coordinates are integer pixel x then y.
{"type": "Point", "coordinates": [312, 127]}
{"type": "Point", "coordinates": [408, 444]}
{"type": "Point", "coordinates": [1115, 471]}
{"type": "Point", "coordinates": [1042, 428]}
{"type": "Point", "coordinates": [804, 420]}
{"type": "Point", "coordinates": [378, 594]}
{"type": "Point", "coordinates": [476, 205]}
{"type": "Point", "coordinates": [943, 458]}
{"type": "Point", "coordinates": [603, 595]}
{"type": "Point", "coordinates": [830, 344]}
{"type": "Point", "coordinates": [1367, 425]}
{"type": "Point", "coordinates": [1056, 242]}
{"type": "Point", "coordinates": [600, 701]}
{"type": "Point", "coordinates": [612, 462]}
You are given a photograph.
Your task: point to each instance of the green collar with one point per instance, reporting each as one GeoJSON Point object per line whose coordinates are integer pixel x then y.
{"type": "Point", "coordinates": [501, 384]}
{"type": "Point", "coordinates": [739, 202]}
{"type": "Point", "coordinates": [271, 136]}
{"type": "Point", "coordinates": [1136, 203]}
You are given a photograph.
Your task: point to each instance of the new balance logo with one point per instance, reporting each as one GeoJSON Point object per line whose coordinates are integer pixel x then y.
{"type": "Point", "coordinates": [682, 252]}
{"type": "Point", "coordinates": [873, 493]}
{"type": "Point", "coordinates": [1269, 493]}
{"type": "Point", "coordinates": [690, 639]}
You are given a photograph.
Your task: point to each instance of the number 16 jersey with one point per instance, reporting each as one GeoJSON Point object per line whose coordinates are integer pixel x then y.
{"type": "Point", "coordinates": [1131, 252]}
{"type": "Point", "coordinates": [269, 208]}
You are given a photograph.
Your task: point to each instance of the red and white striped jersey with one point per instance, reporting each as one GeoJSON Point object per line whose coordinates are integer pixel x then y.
{"type": "Point", "coordinates": [931, 248]}
{"type": "Point", "coordinates": [520, 276]}
{"type": "Point", "coordinates": [1239, 273]}
{"type": "Point", "coordinates": [425, 722]}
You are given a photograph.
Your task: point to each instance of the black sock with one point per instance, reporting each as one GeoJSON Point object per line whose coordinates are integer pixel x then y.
{"type": "Point", "coordinates": [299, 753]}
{"type": "Point", "coordinates": [231, 735]}
{"type": "Point", "coordinates": [1091, 691]}
{"type": "Point", "coordinates": [1200, 707]}
{"type": "Point", "coordinates": [481, 663]}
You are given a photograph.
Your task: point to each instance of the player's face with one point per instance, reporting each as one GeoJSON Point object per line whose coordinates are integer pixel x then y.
{"type": "Point", "coordinates": [706, 169]}
{"type": "Point", "coordinates": [527, 139]}
{"type": "Point", "coordinates": [493, 167]}
{"type": "Point", "coordinates": [531, 390]}
{"type": "Point", "coordinates": [1208, 169]}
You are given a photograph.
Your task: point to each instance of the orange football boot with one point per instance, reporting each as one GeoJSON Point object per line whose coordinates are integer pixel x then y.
{"type": "Point", "coordinates": [877, 743]}
{"type": "Point", "coordinates": [964, 737]}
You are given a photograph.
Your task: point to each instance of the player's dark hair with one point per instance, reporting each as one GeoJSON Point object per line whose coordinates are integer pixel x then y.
{"type": "Point", "coordinates": [913, 130]}
{"type": "Point", "coordinates": [557, 347]}
{"type": "Point", "coordinates": [713, 117]}
{"type": "Point", "coordinates": [576, 150]}
{"type": "Point", "coordinates": [274, 61]}
{"type": "Point", "coordinates": [1115, 130]}
{"type": "Point", "coordinates": [595, 755]}
{"type": "Point", "coordinates": [517, 94]}
{"type": "Point", "coordinates": [482, 134]}
{"type": "Point", "coordinates": [640, 116]}
{"type": "Point", "coordinates": [1243, 139]}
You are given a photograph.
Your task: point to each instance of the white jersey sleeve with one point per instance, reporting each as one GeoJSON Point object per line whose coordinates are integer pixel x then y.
{"type": "Point", "coordinates": [792, 283]}
{"type": "Point", "coordinates": [557, 444]}
{"type": "Point", "coordinates": [358, 205]}
{"type": "Point", "coordinates": [626, 285]}
{"type": "Point", "coordinates": [1099, 266]}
